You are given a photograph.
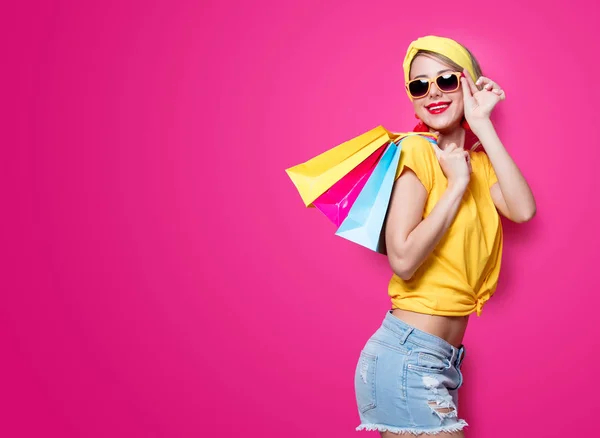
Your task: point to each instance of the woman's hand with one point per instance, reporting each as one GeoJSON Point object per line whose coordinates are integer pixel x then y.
{"type": "Point", "coordinates": [480, 103]}
{"type": "Point", "coordinates": [456, 164]}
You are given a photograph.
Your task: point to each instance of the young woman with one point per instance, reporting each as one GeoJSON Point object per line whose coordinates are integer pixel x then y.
{"type": "Point", "coordinates": [444, 243]}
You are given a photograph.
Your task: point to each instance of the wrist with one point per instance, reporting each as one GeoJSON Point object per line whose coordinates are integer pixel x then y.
{"type": "Point", "coordinates": [458, 186]}
{"type": "Point", "coordinates": [480, 127]}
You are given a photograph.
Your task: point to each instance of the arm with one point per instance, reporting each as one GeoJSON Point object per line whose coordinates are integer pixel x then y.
{"type": "Point", "coordinates": [409, 238]}
{"type": "Point", "coordinates": [511, 194]}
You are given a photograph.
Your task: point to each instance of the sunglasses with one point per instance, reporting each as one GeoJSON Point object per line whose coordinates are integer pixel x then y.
{"type": "Point", "coordinates": [446, 83]}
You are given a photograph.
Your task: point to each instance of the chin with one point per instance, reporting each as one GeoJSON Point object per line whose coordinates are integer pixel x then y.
{"type": "Point", "coordinates": [441, 127]}
{"type": "Point", "coordinates": [438, 124]}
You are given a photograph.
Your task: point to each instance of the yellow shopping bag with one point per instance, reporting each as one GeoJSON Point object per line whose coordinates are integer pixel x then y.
{"type": "Point", "coordinates": [315, 176]}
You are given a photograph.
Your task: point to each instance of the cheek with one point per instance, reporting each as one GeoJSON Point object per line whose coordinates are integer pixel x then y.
{"type": "Point", "coordinates": [419, 109]}
{"type": "Point", "coordinates": [458, 101]}
{"type": "Point", "coordinates": [458, 111]}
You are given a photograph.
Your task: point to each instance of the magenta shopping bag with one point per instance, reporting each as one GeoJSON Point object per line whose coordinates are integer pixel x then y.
{"type": "Point", "coordinates": [336, 202]}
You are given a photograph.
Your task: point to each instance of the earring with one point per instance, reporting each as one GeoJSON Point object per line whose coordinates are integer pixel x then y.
{"type": "Point", "coordinates": [421, 127]}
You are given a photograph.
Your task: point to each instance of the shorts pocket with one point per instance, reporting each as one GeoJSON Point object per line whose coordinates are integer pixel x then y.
{"type": "Point", "coordinates": [365, 383]}
{"type": "Point", "coordinates": [429, 363]}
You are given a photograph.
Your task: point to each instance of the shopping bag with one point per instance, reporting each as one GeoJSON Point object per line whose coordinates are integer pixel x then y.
{"type": "Point", "coordinates": [315, 176]}
{"type": "Point", "coordinates": [336, 202]}
{"type": "Point", "coordinates": [364, 222]}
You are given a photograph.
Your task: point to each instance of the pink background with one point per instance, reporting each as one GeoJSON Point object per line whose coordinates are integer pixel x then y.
{"type": "Point", "coordinates": [160, 275]}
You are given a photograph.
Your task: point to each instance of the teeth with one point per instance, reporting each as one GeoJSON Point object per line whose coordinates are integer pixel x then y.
{"type": "Point", "coordinates": [438, 107]}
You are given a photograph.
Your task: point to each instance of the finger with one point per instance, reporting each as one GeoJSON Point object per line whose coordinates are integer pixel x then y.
{"type": "Point", "coordinates": [470, 82]}
{"type": "Point", "coordinates": [451, 147]}
{"type": "Point", "coordinates": [468, 157]}
{"type": "Point", "coordinates": [485, 82]}
{"type": "Point", "coordinates": [490, 85]}
{"type": "Point", "coordinates": [467, 96]}
{"type": "Point", "coordinates": [482, 81]}
{"type": "Point", "coordinates": [500, 93]}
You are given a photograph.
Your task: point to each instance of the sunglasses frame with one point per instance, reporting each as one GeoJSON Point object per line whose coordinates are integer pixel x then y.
{"type": "Point", "coordinates": [431, 81]}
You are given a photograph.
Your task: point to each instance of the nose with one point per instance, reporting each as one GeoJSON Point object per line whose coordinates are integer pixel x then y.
{"type": "Point", "coordinates": [434, 91]}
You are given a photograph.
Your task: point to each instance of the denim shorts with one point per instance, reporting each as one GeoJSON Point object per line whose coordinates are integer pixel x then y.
{"type": "Point", "coordinates": [407, 380]}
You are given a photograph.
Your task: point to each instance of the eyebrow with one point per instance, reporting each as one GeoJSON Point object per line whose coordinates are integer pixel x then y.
{"type": "Point", "coordinates": [439, 73]}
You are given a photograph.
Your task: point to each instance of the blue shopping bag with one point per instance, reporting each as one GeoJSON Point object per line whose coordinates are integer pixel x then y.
{"type": "Point", "coordinates": [364, 222]}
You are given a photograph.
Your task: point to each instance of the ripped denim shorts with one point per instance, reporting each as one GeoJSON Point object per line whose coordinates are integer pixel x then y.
{"type": "Point", "coordinates": [407, 380]}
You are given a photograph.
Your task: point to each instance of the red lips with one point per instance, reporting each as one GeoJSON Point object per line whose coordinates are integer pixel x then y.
{"type": "Point", "coordinates": [432, 107]}
{"type": "Point", "coordinates": [437, 104]}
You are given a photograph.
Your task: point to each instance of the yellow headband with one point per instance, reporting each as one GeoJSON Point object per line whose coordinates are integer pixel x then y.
{"type": "Point", "coordinates": [442, 46]}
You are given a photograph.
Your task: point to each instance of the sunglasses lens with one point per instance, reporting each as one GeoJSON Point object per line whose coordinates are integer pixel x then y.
{"type": "Point", "coordinates": [418, 87]}
{"type": "Point", "coordinates": [447, 83]}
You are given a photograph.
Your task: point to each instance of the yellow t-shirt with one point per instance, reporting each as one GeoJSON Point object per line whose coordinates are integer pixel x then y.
{"type": "Point", "coordinates": [461, 273]}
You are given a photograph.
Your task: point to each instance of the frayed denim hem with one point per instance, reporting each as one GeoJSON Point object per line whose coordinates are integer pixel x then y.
{"type": "Point", "coordinates": [460, 425]}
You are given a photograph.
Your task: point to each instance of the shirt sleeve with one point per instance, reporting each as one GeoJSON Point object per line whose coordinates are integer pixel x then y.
{"type": "Point", "coordinates": [417, 154]}
{"type": "Point", "coordinates": [489, 169]}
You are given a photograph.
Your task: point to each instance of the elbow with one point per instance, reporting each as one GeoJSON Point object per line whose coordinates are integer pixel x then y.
{"type": "Point", "coordinates": [401, 259]}
{"type": "Point", "coordinates": [526, 216]}
{"type": "Point", "coordinates": [402, 268]}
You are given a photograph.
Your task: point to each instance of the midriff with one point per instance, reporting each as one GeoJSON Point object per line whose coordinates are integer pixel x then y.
{"type": "Point", "coordinates": [450, 328]}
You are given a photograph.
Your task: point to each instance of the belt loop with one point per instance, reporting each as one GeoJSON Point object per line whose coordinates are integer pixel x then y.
{"type": "Point", "coordinates": [405, 335]}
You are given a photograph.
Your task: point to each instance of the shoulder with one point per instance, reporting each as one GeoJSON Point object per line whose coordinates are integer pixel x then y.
{"type": "Point", "coordinates": [417, 154]}
{"type": "Point", "coordinates": [479, 156]}
{"type": "Point", "coordinates": [417, 150]}
{"type": "Point", "coordinates": [417, 145]}
{"type": "Point", "coordinates": [480, 159]}
{"type": "Point", "coordinates": [483, 166]}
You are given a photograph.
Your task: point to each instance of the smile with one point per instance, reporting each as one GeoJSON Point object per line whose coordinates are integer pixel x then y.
{"type": "Point", "coordinates": [438, 107]}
